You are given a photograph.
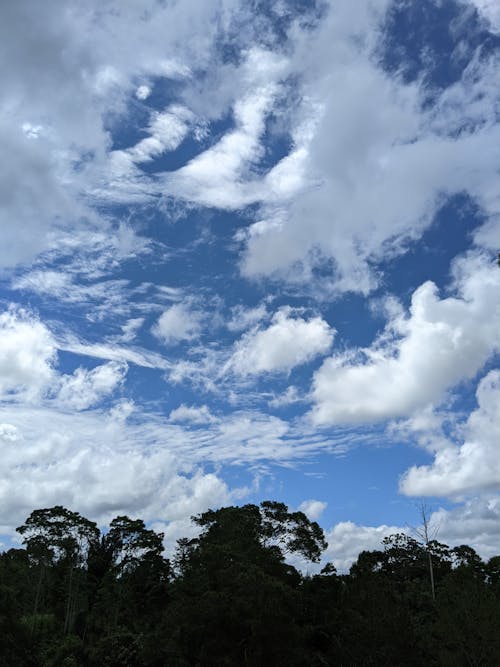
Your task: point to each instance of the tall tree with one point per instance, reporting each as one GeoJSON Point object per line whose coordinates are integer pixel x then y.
{"type": "Point", "coordinates": [59, 539]}
{"type": "Point", "coordinates": [250, 611]}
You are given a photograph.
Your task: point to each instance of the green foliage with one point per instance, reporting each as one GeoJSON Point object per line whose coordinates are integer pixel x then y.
{"type": "Point", "coordinates": [76, 597]}
{"type": "Point", "coordinates": [132, 544]}
{"type": "Point", "coordinates": [270, 526]}
{"type": "Point", "coordinates": [57, 534]}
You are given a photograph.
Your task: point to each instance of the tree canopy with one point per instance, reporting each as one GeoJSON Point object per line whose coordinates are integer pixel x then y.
{"type": "Point", "coordinates": [230, 596]}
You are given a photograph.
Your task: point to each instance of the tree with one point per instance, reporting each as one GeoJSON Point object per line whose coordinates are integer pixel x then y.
{"type": "Point", "coordinates": [271, 526]}
{"type": "Point", "coordinates": [250, 595]}
{"type": "Point", "coordinates": [132, 544]}
{"type": "Point", "coordinates": [423, 533]}
{"type": "Point", "coordinates": [130, 578]}
{"type": "Point", "coordinates": [465, 558]}
{"type": "Point", "coordinates": [15, 602]}
{"type": "Point", "coordinates": [293, 532]}
{"type": "Point", "coordinates": [59, 539]}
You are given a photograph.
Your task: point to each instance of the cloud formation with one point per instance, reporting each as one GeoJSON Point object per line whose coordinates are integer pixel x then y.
{"type": "Point", "coordinates": [346, 540]}
{"type": "Point", "coordinates": [373, 176]}
{"type": "Point", "coordinates": [418, 358]}
{"type": "Point", "coordinates": [93, 462]}
{"type": "Point", "coordinates": [225, 178]}
{"type": "Point", "coordinates": [491, 11]}
{"type": "Point", "coordinates": [86, 388]}
{"type": "Point", "coordinates": [472, 465]}
{"type": "Point", "coordinates": [27, 356]}
{"type": "Point", "coordinates": [177, 323]}
{"type": "Point", "coordinates": [287, 342]}
{"type": "Point", "coordinates": [313, 508]}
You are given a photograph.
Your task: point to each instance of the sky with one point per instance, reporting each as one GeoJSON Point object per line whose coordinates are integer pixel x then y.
{"type": "Point", "coordinates": [248, 251]}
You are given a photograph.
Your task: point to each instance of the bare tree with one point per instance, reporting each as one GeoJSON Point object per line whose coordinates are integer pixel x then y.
{"type": "Point", "coordinates": [423, 534]}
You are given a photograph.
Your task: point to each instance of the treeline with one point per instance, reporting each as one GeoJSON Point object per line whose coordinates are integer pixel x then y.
{"type": "Point", "coordinates": [74, 596]}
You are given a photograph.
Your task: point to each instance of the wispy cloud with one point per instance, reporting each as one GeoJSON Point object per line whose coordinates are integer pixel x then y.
{"type": "Point", "coordinates": [113, 352]}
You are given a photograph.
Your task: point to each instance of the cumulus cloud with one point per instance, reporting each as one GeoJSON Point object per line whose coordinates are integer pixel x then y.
{"type": "Point", "coordinates": [71, 72]}
{"type": "Point", "coordinates": [286, 343]}
{"type": "Point", "coordinates": [177, 323]}
{"type": "Point", "coordinates": [27, 355]}
{"type": "Point", "coordinates": [202, 492]}
{"type": "Point", "coordinates": [143, 92]}
{"type": "Point", "coordinates": [85, 388]}
{"type": "Point", "coordinates": [346, 540]}
{"type": "Point", "coordinates": [192, 414]}
{"type": "Point", "coordinates": [313, 508]}
{"type": "Point", "coordinates": [440, 343]}
{"type": "Point", "coordinates": [472, 465]}
{"type": "Point", "coordinates": [372, 176]}
{"type": "Point", "coordinates": [94, 463]}
{"type": "Point", "coordinates": [475, 522]}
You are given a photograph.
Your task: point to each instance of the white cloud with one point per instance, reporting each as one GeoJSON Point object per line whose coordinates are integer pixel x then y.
{"type": "Point", "coordinates": [73, 70]}
{"type": "Point", "coordinates": [9, 433]}
{"type": "Point", "coordinates": [51, 282]}
{"type": "Point", "coordinates": [370, 177]}
{"type": "Point", "coordinates": [313, 508]}
{"type": "Point", "coordinates": [286, 343]}
{"type": "Point", "coordinates": [166, 130]}
{"type": "Point", "coordinates": [113, 352]}
{"type": "Point", "coordinates": [86, 388]}
{"type": "Point", "coordinates": [442, 342]}
{"type": "Point", "coordinates": [242, 317]}
{"type": "Point", "coordinates": [27, 355]}
{"type": "Point", "coordinates": [361, 181]}
{"type": "Point", "coordinates": [177, 323]}
{"type": "Point", "coordinates": [143, 92]}
{"type": "Point", "coordinates": [222, 175]}
{"type": "Point", "coordinates": [102, 298]}
{"type": "Point", "coordinates": [473, 465]}
{"type": "Point", "coordinates": [319, 201]}
{"type": "Point", "coordinates": [192, 414]}
{"type": "Point", "coordinates": [202, 492]}
{"type": "Point", "coordinates": [130, 329]}
{"type": "Point", "coordinates": [32, 131]}
{"type": "Point", "coordinates": [289, 397]}
{"type": "Point", "coordinates": [97, 464]}
{"type": "Point", "coordinates": [346, 540]}
{"type": "Point", "coordinates": [125, 460]}
{"type": "Point", "coordinates": [490, 9]}
{"type": "Point", "coordinates": [475, 522]}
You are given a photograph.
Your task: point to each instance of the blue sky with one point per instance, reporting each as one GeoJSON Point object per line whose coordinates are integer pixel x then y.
{"type": "Point", "coordinates": [249, 251]}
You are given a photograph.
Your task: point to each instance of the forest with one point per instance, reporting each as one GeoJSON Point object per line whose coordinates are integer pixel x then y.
{"type": "Point", "coordinates": [77, 596]}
